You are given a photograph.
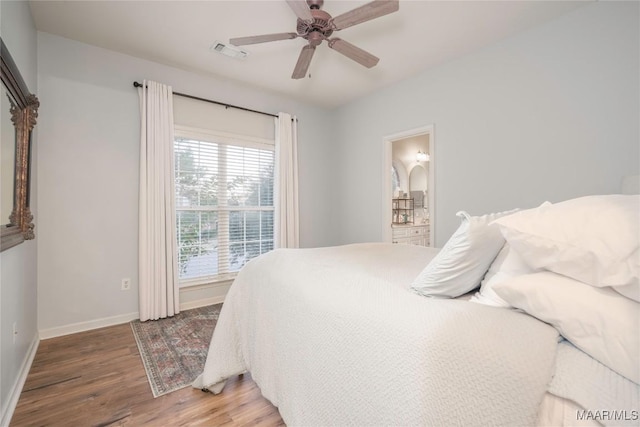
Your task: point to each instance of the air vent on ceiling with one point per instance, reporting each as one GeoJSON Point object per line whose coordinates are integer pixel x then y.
{"type": "Point", "coordinates": [229, 50]}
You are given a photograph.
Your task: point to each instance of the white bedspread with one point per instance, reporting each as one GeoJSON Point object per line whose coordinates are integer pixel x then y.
{"type": "Point", "coordinates": [334, 336]}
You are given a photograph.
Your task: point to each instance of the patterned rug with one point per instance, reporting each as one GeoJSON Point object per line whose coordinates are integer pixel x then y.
{"type": "Point", "coordinates": [174, 349]}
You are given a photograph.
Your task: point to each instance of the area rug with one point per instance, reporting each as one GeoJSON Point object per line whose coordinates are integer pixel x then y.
{"type": "Point", "coordinates": [173, 350]}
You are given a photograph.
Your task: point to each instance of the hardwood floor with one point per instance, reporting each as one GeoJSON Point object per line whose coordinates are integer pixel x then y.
{"type": "Point", "coordinates": [96, 378]}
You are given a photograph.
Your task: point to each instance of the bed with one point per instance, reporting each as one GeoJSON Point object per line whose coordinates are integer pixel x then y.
{"type": "Point", "coordinates": [360, 334]}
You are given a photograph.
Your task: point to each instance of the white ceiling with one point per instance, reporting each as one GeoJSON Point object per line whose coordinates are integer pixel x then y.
{"type": "Point", "coordinates": [420, 35]}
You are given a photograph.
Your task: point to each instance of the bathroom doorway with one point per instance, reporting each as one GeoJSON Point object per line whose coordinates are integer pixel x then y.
{"type": "Point", "coordinates": [409, 187]}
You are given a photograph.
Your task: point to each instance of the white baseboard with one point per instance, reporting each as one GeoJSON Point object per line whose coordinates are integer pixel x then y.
{"type": "Point", "coordinates": [87, 326]}
{"type": "Point", "coordinates": [122, 318]}
{"type": "Point", "coordinates": [16, 390]}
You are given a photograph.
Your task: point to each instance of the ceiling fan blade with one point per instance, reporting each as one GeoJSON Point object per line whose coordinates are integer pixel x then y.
{"type": "Point", "coordinates": [304, 60]}
{"type": "Point", "coordinates": [367, 12]}
{"type": "Point", "coordinates": [242, 41]}
{"type": "Point", "coordinates": [301, 9]}
{"type": "Point", "coordinates": [362, 57]}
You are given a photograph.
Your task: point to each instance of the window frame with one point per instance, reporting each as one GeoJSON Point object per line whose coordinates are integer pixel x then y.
{"type": "Point", "coordinates": [223, 138]}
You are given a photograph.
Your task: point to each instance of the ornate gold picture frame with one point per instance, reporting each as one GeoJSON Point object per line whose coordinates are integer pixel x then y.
{"type": "Point", "coordinates": [24, 111]}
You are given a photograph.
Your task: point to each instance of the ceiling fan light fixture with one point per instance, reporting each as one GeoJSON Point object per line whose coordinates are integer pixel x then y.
{"type": "Point", "coordinates": [229, 50]}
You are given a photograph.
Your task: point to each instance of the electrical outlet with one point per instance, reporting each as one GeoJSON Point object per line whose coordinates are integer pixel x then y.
{"type": "Point", "coordinates": [126, 284]}
{"type": "Point", "coordinates": [15, 332]}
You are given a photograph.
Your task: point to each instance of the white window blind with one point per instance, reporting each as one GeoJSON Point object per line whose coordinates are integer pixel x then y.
{"type": "Point", "coordinates": [224, 202]}
{"type": "Point", "coordinates": [196, 114]}
{"type": "Point", "coordinates": [224, 188]}
{"type": "Point", "coordinates": [224, 206]}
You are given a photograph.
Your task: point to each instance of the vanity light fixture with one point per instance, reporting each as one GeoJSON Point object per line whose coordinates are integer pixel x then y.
{"type": "Point", "coordinates": [422, 157]}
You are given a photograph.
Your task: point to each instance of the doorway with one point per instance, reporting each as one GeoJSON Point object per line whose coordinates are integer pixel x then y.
{"type": "Point", "coordinates": [409, 180]}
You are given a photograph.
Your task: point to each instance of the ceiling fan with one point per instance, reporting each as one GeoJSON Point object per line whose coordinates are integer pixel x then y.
{"type": "Point", "coordinates": [316, 25]}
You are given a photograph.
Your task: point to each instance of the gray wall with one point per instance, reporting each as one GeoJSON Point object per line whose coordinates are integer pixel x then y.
{"type": "Point", "coordinates": [88, 173]}
{"type": "Point", "coordinates": [18, 302]}
{"type": "Point", "coordinates": [549, 114]}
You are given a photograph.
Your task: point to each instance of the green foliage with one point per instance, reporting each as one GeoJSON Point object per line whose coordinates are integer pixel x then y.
{"type": "Point", "coordinates": [189, 242]}
{"type": "Point", "coordinates": [193, 186]}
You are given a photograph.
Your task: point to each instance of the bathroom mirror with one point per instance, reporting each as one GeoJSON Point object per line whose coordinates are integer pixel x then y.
{"type": "Point", "coordinates": [19, 113]}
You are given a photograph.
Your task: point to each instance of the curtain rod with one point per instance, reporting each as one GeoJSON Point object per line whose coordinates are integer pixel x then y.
{"type": "Point", "coordinates": [136, 84]}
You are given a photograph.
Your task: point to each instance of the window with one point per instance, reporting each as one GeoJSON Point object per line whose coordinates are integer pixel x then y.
{"type": "Point", "coordinates": [224, 203]}
{"type": "Point", "coordinates": [395, 180]}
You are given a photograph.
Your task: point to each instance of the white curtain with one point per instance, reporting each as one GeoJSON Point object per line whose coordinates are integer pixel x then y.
{"type": "Point", "coordinates": [286, 183]}
{"type": "Point", "coordinates": [158, 273]}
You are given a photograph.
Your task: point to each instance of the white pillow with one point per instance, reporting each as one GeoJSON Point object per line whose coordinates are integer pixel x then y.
{"type": "Point", "coordinates": [599, 321]}
{"type": "Point", "coordinates": [507, 265]}
{"type": "Point", "coordinates": [593, 239]}
{"type": "Point", "coordinates": [464, 259]}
